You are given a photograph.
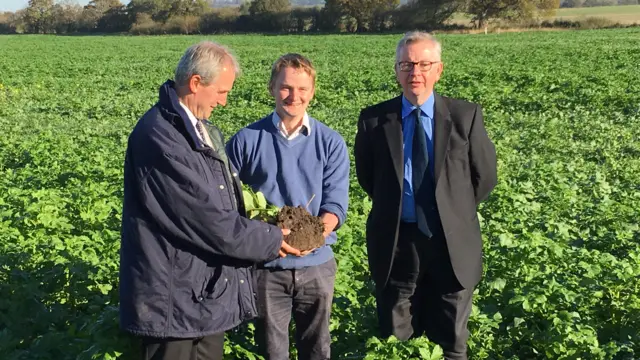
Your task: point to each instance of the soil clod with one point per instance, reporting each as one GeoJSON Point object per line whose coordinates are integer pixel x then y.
{"type": "Point", "coordinates": [306, 229]}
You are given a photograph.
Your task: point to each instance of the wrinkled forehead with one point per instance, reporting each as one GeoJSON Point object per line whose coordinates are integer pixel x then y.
{"type": "Point", "coordinates": [225, 79]}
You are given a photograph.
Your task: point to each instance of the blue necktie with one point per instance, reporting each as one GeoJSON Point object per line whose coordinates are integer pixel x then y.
{"type": "Point", "coordinates": [421, 178]}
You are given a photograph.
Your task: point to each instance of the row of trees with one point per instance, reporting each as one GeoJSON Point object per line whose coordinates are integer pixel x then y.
{"type": "Point", "coordinates": [193, 16]}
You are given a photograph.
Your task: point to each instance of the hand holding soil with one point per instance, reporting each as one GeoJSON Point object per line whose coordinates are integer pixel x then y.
{"type": "Point", "coordinates": [306, 229]}
{"type": "Point", "coordinates": [286, 249]}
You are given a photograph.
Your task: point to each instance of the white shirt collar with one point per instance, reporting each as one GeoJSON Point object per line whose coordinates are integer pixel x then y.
{"type": "Point", "coordinates": [277, 122]}
{"type": "Point", "coordinates": [193, 120]}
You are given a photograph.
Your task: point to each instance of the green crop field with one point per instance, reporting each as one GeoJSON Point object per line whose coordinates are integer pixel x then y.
{"type": "Point", "coordinates": [562, 240]}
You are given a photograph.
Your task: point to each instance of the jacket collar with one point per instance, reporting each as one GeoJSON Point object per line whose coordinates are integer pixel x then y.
{"type": "Point", "coordinates": [427, 107]}
{"type": "Point", "coordinates": [168, 100]}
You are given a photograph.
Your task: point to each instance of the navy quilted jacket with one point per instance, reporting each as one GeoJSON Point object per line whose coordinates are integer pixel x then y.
{"type": "Point", "coordinates": [187, 251]}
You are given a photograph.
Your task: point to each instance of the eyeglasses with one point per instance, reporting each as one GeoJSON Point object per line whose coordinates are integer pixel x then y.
{"type": "Point", "coordinates": [407, 66]}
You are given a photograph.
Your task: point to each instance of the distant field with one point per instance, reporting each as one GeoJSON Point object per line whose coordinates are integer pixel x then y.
{"type": "Point", "coordinates": [624, 14]}
{"type": "Point", "coordinates": [627, 14]}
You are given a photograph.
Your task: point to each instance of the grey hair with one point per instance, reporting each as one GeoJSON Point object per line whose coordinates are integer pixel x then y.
{"type": "Point", "coordinates": [417, 36]}
{"type": "Point", "coordinates": [205, 59]}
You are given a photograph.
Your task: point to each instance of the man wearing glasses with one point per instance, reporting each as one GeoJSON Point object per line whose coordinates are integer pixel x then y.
{"type": "Point", "coordinates": [426, 162]}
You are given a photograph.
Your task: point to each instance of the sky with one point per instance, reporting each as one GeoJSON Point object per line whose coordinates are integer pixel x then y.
{"type": "Point", "coordinates": [13, 5]}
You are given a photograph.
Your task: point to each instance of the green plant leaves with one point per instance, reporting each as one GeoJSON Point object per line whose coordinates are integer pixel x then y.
{"type": "Point", "coordinates": [257, 207]}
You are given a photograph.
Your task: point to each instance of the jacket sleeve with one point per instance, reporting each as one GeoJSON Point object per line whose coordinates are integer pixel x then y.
{"type": "Point", "coordinates": [482, 159]}
{"type": "Point", "coordinates": [335, 182]}
{"type": "Point", "coordinates": [363, 155]}
{"type": "Point", "coordinates": [181, 204]}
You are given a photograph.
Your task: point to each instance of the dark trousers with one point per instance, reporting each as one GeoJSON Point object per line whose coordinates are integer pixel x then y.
{"type": "Point", "coordinates": [205, 348]}
{"type": "Point", "coordinates": [308, 293]}
{"type": "Point", "coordinates": [423, 296]}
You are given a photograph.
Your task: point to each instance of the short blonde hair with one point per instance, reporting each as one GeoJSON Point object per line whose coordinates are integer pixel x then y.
{"type": "Point", "coordinates": [206, 59]}
{"type": "Point", "coordinates": [417, 36]}
{"type": "Point", "coordinates": [291, 60]}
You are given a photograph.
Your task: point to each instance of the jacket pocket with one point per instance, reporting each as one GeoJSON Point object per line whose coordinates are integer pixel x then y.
{"type": "Point", "coordinates": [217, 284]}
{"type": "Point", "coordinates": [198, 287]}
{"type": "Point", "coordinates": [202, 276]}
{"type": "Point", "coordinates": [212, 286]}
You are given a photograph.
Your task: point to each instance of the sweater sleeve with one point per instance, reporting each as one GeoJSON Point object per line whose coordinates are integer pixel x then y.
{"type": "Point", "coordinates": [335, 181]}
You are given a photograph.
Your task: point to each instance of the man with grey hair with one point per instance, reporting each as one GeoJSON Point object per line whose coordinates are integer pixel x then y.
{"type": "Point", "coordinates": [426, 162]}
{"type": "Point", "coordinates": [187, 249]}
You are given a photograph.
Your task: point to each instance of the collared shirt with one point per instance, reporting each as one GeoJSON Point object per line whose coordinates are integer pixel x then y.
{"type": "Point", "coordinates": [306, 126]}
{"type": "Point", "coordinates": [193, 120]}
{"type": "Point", "coordinates": [408, 127]}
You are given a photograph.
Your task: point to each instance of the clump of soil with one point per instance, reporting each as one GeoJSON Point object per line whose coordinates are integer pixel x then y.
{"type": "Point", "coordinates": [306, 229]}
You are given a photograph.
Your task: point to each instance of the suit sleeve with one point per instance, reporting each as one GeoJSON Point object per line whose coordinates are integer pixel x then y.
{"type": "Point", "coordinates": [363, 154]}
{"type": "Point", "coordinates": [482, 158]}
{"type": "Point", "coordinates": [180, 202]}
{"type": "Point", "coordinates": [335, 182]}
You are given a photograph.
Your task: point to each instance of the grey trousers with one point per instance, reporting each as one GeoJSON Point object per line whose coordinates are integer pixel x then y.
{"type": "Point", "coordinates": [204, 348]}
{"type": "Point", "coordinates": [423, 296]}
{"type": "Point", "coordinates": [308, 294]}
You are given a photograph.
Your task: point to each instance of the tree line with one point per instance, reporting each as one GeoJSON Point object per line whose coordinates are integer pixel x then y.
{"type": "Point", "coordinates": [200, 16]}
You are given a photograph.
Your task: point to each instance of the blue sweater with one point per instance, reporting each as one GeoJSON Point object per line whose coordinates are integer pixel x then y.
{"type": "Point", "coordinates": [290, 172]}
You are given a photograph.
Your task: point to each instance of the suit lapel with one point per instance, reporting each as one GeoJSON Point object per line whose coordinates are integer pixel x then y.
{"type": "Point", "coordinates": [393, 132]}
{"type": "Point", "coordinates": [442, 132]}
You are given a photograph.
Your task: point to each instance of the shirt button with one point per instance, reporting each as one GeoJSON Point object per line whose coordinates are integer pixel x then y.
{"type": "Point", "coordinates": [221, 187]}
{"type": "Point", "coordinates": [241, 281]}
{"type": "Point", "coordinates": [235, 174]}
{"type": "Point", "coordinates": [225, 280]}
{"type": "Point", "coordinates": [200, 298]}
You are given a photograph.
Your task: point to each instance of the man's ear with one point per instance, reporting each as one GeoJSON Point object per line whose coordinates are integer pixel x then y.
{"type": "Point", "coordinates": [440, 69]}
{"type": "Point", "coordinates": [194, 83]}
{"type": "Point", "coordinates": [313, 92]}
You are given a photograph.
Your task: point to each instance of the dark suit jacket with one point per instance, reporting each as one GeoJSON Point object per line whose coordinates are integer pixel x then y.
{"type": "Point", "coordinates": [465, 173]}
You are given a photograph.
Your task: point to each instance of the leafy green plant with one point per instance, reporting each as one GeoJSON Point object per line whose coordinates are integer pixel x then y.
{"type": "Point", "coordinates": [257, 206]}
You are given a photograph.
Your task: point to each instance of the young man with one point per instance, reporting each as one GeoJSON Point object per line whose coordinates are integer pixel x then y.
{"type": "Point", "coordinates": [293, 158]}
